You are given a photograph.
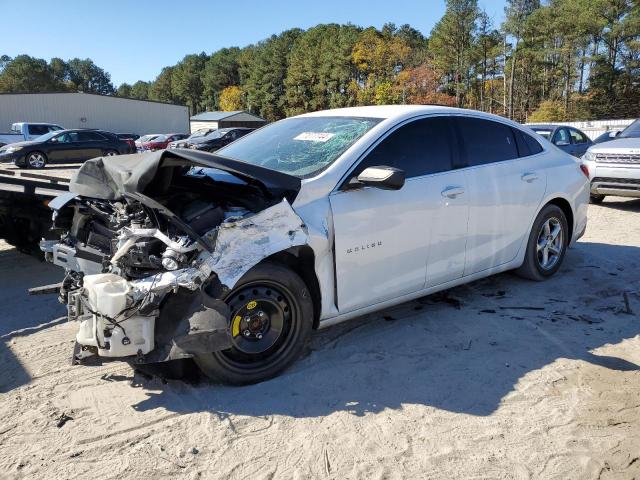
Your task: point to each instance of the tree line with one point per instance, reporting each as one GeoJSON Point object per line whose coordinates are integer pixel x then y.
{"type": "Point", "coordinates": [557, 60]}
{"type": "Point", "coordinates": [26, 74]}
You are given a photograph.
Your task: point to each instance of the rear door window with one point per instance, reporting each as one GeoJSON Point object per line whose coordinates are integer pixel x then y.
{"type": "Point", "coordinates": [486, 141]}
{"type": "Point", "coordinates": [91, 137]}
{"type": "Point", "coordinates": [421, 147]}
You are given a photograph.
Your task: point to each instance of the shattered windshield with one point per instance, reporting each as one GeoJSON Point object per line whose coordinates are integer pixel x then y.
{"type": "Point", "coordinates": [300, 146]}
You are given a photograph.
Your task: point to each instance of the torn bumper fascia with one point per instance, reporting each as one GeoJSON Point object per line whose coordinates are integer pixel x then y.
{"type": "Point", "coordinates": [240, 244]}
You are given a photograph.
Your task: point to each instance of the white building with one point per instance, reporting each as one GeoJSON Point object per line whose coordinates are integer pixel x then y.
{"type": "Point", "coordinates": [218, 119]}
{"type": "Point", "coordinates": [87, 110]}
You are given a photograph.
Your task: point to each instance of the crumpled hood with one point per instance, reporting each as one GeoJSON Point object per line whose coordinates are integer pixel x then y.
{"type": "Point", "coordinates": [109, 178]}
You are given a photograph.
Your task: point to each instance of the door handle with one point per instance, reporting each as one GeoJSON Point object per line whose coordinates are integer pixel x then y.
{"type": "Point", "coordinates": [529, 177]}
{"type": "Point", "coordinates": [452, 192]}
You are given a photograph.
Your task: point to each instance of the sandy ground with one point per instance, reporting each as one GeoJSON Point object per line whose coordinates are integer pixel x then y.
{"type": "Point", "coordinates": [502, 378]}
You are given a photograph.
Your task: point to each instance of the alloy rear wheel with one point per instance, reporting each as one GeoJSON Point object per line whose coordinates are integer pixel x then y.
{"type": "Point", "coordinates": [547, 244]}
{"type": "Point", "coordinates": [550, 243]}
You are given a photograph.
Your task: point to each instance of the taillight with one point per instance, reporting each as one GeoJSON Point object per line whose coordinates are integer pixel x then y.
{"type": "Point", "coordinates": [584, 169]}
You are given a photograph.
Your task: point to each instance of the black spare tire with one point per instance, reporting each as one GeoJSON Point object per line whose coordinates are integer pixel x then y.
{"type": "Point", "coordinates": [271, 322]}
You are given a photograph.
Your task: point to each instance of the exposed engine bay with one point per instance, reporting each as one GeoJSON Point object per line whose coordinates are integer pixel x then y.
{"type": "Point", "coordinates": [151, 244]}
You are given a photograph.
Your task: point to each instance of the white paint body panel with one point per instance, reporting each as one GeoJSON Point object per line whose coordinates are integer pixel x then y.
{"type": "Point", "coordinates": [415, 241]}
{"type": "Point", "coordinates": [378, 258]}
{"type": "Point", "coordinates": [501, 205]}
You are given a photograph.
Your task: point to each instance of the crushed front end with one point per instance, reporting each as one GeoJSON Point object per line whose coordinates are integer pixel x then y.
{"type": "Point", "coordinates": [151, 250]}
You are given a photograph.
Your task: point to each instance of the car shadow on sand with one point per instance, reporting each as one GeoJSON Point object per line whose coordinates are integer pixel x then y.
{"type": "Point", "coordinates": [621, 203]}
{"type": "Point", "coordinates": [463, 350]}
{"type": "Point", "coordinates": [21, 314]}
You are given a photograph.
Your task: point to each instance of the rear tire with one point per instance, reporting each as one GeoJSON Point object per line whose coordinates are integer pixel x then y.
{"type": "Point", "coordinates": [595, 198]}
{"type": "Point", "coordinates": [271, 322]}
{"type": "Point", "coordinates": [547, 245]}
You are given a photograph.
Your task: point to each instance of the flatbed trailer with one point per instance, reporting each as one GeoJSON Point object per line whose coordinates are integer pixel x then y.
{"type": "Point", "coordinates": [25, 217]}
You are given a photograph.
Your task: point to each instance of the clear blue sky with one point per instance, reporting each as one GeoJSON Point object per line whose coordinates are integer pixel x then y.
{"type": "Point", "coordinates": [133, 40]}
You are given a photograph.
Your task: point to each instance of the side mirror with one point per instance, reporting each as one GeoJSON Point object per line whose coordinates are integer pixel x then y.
{"type": "Point", "coordinates": [385, 178]}
{"type": "Point", "coordinates": [561, 143]}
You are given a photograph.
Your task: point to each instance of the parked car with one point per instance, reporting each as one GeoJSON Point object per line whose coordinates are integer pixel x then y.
{"type": "Point", "coordinates": [218, 139]}
{"type": "Point", "coordinates": [24, 131]}
{"type": "Point", "coordinates": [305, 223]}
{"type": "Point", "coordinates": [161, 141]}
{"type": "Point", "coordinates": [145, 138]}
{"type": "Point", "coordinates": [568, 139]}
{"type": "Point", "coordinates": [64, 146]}
{"type": "Point", "coordinates": [614, 166]}
{"type": "Point", "coordinates": [185, 142]}
{"type": "Point", "coordinates": [606, 136]}
{"type": "Point", "coordinates": [129, 139]}
{"type": "Point", "coordinates": [128, 136]}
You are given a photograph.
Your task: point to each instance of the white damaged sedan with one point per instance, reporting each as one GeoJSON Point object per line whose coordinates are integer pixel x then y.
{"type": "Point", "coordinates": [233, 258]}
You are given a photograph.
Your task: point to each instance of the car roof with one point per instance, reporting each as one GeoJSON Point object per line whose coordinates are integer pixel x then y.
{"type": "Point", "coordinates": [383, 111]}
{"type": "Point", "coordinates": [75, 130]}
{"type": "Point", "coordinates": [397, 113]}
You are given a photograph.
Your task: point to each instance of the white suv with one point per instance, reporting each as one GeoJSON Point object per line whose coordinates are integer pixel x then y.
{"type": "Point", "coordinates": [614, 166]}
{"type": "Point", "coordinates": [233, 258]}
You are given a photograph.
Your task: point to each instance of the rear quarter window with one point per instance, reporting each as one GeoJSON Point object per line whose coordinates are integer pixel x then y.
{"type": "Point", "coordinates": [527, 145]}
